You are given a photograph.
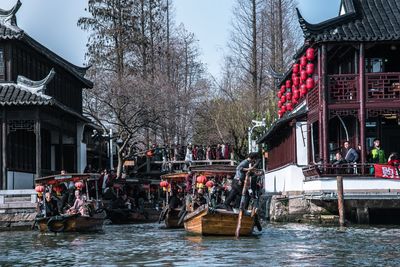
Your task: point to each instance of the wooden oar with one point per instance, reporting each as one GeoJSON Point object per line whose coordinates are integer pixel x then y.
{"type": "Point", "coordinates": [242, 202]}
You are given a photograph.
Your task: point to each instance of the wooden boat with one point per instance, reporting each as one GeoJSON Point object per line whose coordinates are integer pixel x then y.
{"type": "Point", "coordinates": [171, 216]}
{"type": "Point", "coordinates": [207, 221]}
{"type": "Point", "coordinates": [71, 222]}
{"type": "Point", "coordinates": [129, 216]}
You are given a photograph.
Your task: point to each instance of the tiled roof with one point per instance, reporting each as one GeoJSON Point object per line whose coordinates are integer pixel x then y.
{"type": "Point", "coordinates": [14, 94]}
{"type": "Point", "coordinates": [363, 20]}
{"type": "Point", "coordinates": [10, 30]}
{"type": "Point", "coordinates": [300, 111]}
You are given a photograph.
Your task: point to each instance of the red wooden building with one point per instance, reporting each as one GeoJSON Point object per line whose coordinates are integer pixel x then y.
{"type": "Point", "coordinates": [344, 85]}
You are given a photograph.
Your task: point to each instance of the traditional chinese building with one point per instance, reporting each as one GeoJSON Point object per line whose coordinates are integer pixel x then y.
{"type": "Point", "coordinates": [344, 85]}
{"type": "Point", "coordinates": [42, 127]}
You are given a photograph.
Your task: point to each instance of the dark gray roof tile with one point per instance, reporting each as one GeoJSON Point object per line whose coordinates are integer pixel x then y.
{"type": "Point", "coordinates": [370, 20]}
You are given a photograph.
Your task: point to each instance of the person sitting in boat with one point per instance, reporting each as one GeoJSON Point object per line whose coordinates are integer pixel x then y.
{"type": "Point", "coordinates": [122, 202]}
{"type": "Point", "coordinates": [79, 204]}
{"type": "Point", "coordinates": [50, 205]}
{"type": "Point", "coordinates": [174, 201]}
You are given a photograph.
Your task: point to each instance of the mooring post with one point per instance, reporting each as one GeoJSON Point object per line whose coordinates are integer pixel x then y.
{"type": "Point", "coordinates": [339, 180]}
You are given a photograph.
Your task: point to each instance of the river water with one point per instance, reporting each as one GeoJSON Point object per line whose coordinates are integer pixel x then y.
{"type": "Point", "coordinates": [148, 245]}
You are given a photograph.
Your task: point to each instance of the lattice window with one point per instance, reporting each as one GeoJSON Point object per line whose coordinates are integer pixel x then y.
{"type": "Point", "coordinates": [343, 113]}
{"type": "Point", "coordinates": [14, 125]}
{"type": "Point", "coordinates": [383, 86]}
{"type": "Point", "coordinates": [343, 88]}
{"type": "Point", "coordinates": [380, 112]}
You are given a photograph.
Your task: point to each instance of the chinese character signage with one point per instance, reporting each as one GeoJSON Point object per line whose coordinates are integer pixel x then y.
{"type": "Point", "coordinates": [386, 171]}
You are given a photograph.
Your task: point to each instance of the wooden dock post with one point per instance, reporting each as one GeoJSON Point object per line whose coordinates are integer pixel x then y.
{"type": "Point", "coordinates": [339, 180]}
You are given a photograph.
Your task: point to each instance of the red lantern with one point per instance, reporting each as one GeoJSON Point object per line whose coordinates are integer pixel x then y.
{"type": "Point", "coordinates": [310, 54]}
{"type": "Point", "coordinates": [288, 84]}
{"type": "Point", "coordinates": [296, 81]}
{"type": "Point", "coordinates": [279, 104]}
{"type": "Point", "coordinates": [210, 184]}
{"type": "Point", "coordinates": [201, 179]}
{"type": "Point", "coordinates": [162, 184]}
{"type": "Point", "coordinates": [293, 76]}
{"type": "Point", "coordinates": [310, 83]}
{"type": "Point", "coordinates": [57, 189]}
{"type": "Point", "coordinates": [296, 68]}
{"type": "Point", "coordinates": [303, 61]}
{"type": "Point", "coordinates": [303, 90]}
{"type": "Point", "coordinates": [283, 108]}
{"type": "Point", "coordinates": [303, 75]}
{"type": "Point", "coordinates": [39, 190]}
{"type": "Point", "coordinates": [283, 99]}
{"type": "Point", "coordinates": [283, 89]}
{"type": "Point", "coordinates": [289, 106]}
{"type": "Point", "coordinates": [279, 94]}
{"type": "Point", "coordinates": [296, 95]}
{"type": "Point", "coordinates": [280, 113]}
{"type": "Point", "coordinates": [294, 102]}
{"type": "Point", "coordinates": [79, 185]}
{"type": "Point", "coordinates": [310, 68]}
{"type": "Point", "coordinates": [288, 96]}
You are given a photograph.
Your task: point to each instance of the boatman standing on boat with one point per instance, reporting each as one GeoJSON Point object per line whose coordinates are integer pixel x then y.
{"type": "Point", "coordinates": [238, 180]}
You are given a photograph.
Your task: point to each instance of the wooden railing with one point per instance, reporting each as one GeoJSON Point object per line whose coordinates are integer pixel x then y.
{"type": "Point", "coordinates": [383, 86]}
{"type": "Point", "coordinates": [343, 88]}
{"type": "Point", "coordinates": [318, 171]}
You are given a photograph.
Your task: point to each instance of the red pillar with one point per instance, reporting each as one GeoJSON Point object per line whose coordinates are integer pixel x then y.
{"type": "Point", "coordinates": [361, 90]}
{"type": "Point", "coordinates": [324, 90]}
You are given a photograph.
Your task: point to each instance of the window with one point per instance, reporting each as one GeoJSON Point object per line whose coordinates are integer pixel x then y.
{"type": "Point", "coordinates": [374, 65]}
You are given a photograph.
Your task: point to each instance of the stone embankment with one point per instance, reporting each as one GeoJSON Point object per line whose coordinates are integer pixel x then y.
{"type": "Point", "coordinates": [17, 209]}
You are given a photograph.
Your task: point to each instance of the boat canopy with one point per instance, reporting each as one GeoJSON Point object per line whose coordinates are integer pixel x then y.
{"type": "Point", "coordinates": [61, 178]}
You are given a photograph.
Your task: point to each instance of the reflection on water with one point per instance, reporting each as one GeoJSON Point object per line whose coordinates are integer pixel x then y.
{"type": "Point", "coordinates": [147, 244]}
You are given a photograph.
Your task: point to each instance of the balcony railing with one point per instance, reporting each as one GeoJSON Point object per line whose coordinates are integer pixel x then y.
{"type": "Point", "coordinates": [383, 86]}
{"type": "Point", "coordinates": [318, 171]}
{"type": "Point", "coordinates": [343, 88]}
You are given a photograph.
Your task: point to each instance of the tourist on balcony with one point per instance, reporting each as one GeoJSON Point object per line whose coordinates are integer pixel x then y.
{"type": "Point", "coordinates": [377, 155]}
{"type": "Point", "coordinates": [394, 159]}
{"type": "Point", "coordinates": [351, 156]}
{"type": "Point", "coordinates": [339, 160]}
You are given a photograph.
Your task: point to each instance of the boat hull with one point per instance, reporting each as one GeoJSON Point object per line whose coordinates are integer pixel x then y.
{"type": "Point", "coordinates": [127, 216]}
{"type": "Point", "coordinates": [71, 223]}
{"type": "Point", "coordinates": [203, 221]}
{"type": "Point", "coordinates": [172, 219]}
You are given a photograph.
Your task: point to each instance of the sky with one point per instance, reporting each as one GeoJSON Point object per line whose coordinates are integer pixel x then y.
{"type": "Point", "coordinates": [53, 23]}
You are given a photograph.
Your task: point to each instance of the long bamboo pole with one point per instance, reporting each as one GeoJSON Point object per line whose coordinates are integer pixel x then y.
{"type": "Point", "coordinates": [242, 202]}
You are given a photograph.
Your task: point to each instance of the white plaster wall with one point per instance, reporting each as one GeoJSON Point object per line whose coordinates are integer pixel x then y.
{"type": "Point", "coordinates": [289, 178]}
{"type": "Point", "coordinates": [301, 143]}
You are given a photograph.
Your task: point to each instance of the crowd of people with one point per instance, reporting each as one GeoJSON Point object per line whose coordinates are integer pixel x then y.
{"type": "Point", "coordinates": [190, 152]}
{"type": "Point", "coordinates": [346, 159]}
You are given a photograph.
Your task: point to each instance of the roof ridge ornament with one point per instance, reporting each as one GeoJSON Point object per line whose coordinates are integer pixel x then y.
{"type": "Point", "coordinates": [35, 87]}
{"type": "Point", "coordinates": [8, 18]}
{"type": "Point", "coordinates": [350, 14]}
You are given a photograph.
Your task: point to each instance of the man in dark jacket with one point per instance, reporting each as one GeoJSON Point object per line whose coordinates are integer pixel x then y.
{"type": "Point", "coordinates": [238, 180]}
